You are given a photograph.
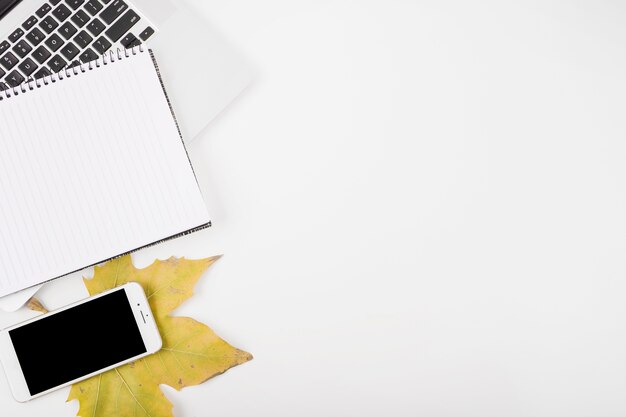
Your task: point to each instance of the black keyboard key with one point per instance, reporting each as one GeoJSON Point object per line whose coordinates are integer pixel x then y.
{"type": "Point", "coordinates": [133, 43]}
{"type": "Point", "coordinates": [113, 11]}
{"type": "Point", "coordinates": [43, 10]}
{"type": "Point", "coordinates": [61, 12]}
{"type": "Point", "coordinates": [54, 2]}
{"type": "Point", "coordinates": [82, 39]}
{"type": "Point", "coordinates": [95, 27]}
{"type": "Point", "coordinates": [122, 26]}
{"type": "Point", "coordinates": [57, 63]}
{"type": "Point", "coordinates": [106, 1]}
{"type": "Point", "coordinates": [73, 64]}
{"type": "Point", "coordinates": [74, 4]}
{"type": "Point", "coordinates": [145, 35]}
{"type": "Point", "coordinates": [88, 56]}
{"type": "Point", "coordinates": [8, 61]}
{"type": "Point", "coordinates": [93, 7]}
{"type": "Point", "coordinates": [27, 66]}
{"type": "Point", "coordinates": [48, 24]}
{"type": "Point", "coordinates": [101, 45]}
{"type": "Point", "coordinates": [80, 18]}
{"type": "Point", "coordinates": [41, 54]}
{"type": "Point", "coordinates": [54, 42]}
{"type": "Point", "coordinates": [35, 36]}
{"type": "Point", "coordinates": [22, 48]}
{"type": "Point", "coordinates": [30, 22]}
{"type": "Point", "coordinates": [15, 36]}
{"type": "Point", "coordinates": [69, 51]}
{"type": "Point", "coordinates": [2, 73]}
{"type": "Point", "coordinates": [4, 46]}
{"type": "Point", "coordinates": [128, 40]}
{"type": "Point", "coordinates": [67, 30]}
{"type": "Point", "coordinates": [3, 86]}
{"type": "Point", "coordinates": [43, 72]}
{"type": "Point", "coordinates": [14, 79]}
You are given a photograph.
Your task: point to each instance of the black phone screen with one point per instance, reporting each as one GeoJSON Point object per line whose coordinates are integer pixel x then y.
{"type": "Point", "coordinates": [76, 342]}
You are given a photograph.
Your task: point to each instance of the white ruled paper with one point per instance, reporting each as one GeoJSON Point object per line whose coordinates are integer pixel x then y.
{"type": "Point", "coordinates": [91, 167]}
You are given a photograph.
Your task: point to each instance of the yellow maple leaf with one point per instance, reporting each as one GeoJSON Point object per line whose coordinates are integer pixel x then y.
{"type": "Point", "coordinates": [191, 353]}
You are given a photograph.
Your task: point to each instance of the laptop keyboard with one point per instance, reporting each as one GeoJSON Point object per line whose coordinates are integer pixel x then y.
{"type": "Point", "coordinates": [65, 33]}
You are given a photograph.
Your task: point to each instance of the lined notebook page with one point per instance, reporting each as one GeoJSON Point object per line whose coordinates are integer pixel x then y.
{"type": "Point", "coordinates": [91, 167]}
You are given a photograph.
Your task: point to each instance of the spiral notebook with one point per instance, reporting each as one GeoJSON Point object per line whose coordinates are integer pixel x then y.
{"type": "Point", "coordinates": [92, 167]}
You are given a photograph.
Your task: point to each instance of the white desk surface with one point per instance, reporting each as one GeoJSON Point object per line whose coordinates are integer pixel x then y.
{"type": "Point", "coordinates": [422, 207]}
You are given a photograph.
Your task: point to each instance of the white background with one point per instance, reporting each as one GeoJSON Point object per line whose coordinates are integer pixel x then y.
{"type": "Point", "coordinates": [422, 210]}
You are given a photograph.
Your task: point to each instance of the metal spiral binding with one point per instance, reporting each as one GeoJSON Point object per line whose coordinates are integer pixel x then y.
{"type": "Point", "coordinates": [107, 58]}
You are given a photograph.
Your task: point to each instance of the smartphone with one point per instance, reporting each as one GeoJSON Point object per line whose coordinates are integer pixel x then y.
{"type": "Point", "coordinates": [79, 341]}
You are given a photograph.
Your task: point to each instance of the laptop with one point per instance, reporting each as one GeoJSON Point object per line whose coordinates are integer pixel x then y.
{"type": "Point", "coordinates": [203, 74]}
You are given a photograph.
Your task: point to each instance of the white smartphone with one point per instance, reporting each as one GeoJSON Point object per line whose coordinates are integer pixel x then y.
{"type": "Point", "coordinates": [79, 341]}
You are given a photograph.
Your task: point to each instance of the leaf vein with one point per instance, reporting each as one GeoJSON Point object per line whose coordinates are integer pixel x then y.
{"type": "Point", "coordinates": [95, 407]}
{"type": "Point", "coordinates": [117, 272]}
{"type": "Point", "coordinates": [180, 365]}
{"type": "Point", "coordinates": [186, 352]}
{"type": "Point", "coordinates": [132, 393]}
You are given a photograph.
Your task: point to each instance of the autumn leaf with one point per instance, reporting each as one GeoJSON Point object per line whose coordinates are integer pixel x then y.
{"type": "Point", "coordinates": [191, 353]}
{"type": "Point", "coordinates": [35, 305]}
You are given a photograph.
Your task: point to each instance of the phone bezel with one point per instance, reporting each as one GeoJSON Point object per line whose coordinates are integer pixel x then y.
{"type": "Point", "coordinates": [143, 317]}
